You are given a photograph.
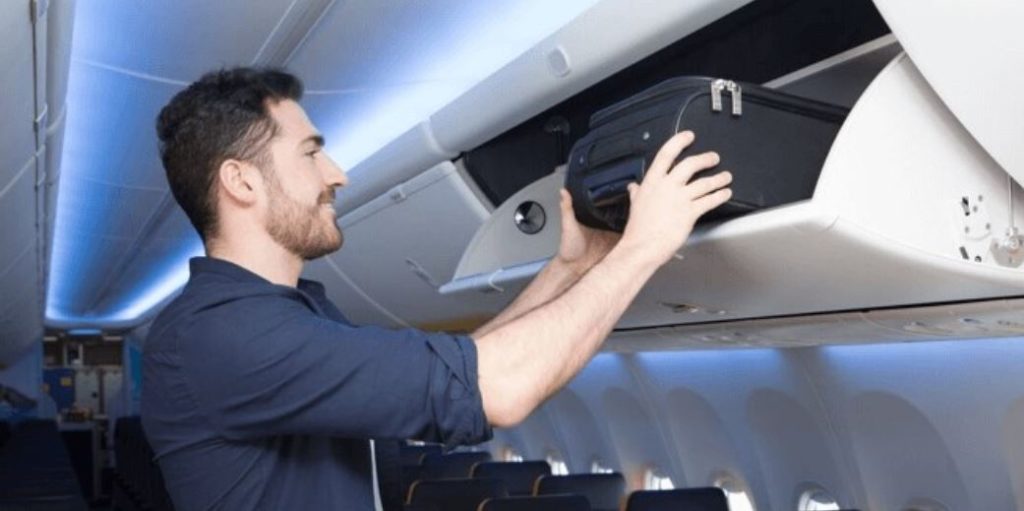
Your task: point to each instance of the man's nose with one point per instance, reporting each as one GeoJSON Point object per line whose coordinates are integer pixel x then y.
{"type": "Point", "coordinates": [334, 176]}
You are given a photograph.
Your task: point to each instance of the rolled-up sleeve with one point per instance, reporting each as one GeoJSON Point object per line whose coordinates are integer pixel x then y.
{"type": "Point", "coordinates": [268, 365]}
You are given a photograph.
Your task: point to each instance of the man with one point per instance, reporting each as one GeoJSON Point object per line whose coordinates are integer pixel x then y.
{"type": "Point", "coordinates": [258, 394]}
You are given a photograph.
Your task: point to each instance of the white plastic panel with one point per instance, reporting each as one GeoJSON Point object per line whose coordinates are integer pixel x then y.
{"type": "Point", "coordinates": [902, 167]}
{"type": "Point", "coordinates": [403, 158]}
{"type": "Point", "coordinates": [402, 246]}
{"type": "Point", "coordinates": [970, 53]}
{"type": "Point", "coordinates": [60, 22]}
{"type": "Point", "coordinates": [59, 32]}
{"type": "Point", "coordinates": [20, 314]}
{"type": "Point", "coordinates": [16, 133]}
{"type": "Point", "coordinates": [20, 317]}
{"type": "Point", "coordinates": [501, 244]}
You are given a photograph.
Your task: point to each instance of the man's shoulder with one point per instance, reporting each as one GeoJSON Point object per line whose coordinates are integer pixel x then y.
{"type": "Point", "coordinates": [205, 309]}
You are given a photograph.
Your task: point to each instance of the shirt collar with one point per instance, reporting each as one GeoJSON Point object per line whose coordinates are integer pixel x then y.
{"type": "Point", "coordinates": [212, 265]}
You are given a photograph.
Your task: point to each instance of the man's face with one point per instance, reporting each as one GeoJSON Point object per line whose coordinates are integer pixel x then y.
{"type": "Point", "coordinates": [300, 186]}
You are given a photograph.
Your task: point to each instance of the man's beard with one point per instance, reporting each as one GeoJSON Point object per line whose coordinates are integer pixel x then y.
{"type": "Point", "coordinates": [299, 228]}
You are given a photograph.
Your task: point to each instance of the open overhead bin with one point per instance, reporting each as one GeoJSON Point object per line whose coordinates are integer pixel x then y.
{"type": "Point", "coordinates": [909, 210]}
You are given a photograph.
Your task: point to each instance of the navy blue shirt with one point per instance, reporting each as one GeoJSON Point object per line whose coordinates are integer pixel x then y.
{"type": "Point", "coordinates": [261, 396]}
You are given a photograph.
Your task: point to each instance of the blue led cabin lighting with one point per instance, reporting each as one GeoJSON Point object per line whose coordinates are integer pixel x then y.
{"type": "Point", "coordinates": [105, 136]}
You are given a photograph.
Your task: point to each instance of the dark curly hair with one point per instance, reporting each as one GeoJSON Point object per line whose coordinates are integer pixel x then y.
{"type": "Point", "coordinates": [224, 115]}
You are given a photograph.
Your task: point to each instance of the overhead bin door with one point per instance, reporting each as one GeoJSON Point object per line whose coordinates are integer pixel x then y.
{"type": "Point", "coordinates": [972, 54]}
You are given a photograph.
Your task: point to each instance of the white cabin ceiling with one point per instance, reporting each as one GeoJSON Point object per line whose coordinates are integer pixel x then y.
{"type": "Point", "coordinates": [371, 68]}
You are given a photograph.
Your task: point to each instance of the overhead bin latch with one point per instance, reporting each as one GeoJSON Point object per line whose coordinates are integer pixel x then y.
{"type": "Point", "coordinates": [1009, 250]}
{"type": "Point", "coordinates": [734, 89]}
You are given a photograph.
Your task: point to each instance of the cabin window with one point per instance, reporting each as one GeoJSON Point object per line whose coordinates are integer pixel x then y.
{"type": "Point", "coordinates": [558, 466]}
{"type": "Point", "coordinates": [598, 467]}
{"type": "Point", "coordinates": [735, 494]}
{"type": "Point", "coordinates": [817, 499]}
{"type": "Point", "coordinates": [510, 454]}
{"type": "Point", "coordinates": [654, 479]}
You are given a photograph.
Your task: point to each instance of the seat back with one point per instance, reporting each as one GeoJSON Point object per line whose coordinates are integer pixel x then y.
{"type": "Point", "coordinates": [542, 503]}
{"type": "Point", "coordinates": [519, 477]}
{"type": "Point", "coordinates": [688, 499]}
{"type": "Point", "coordinates": [5, 432]}
{"type": "Point", "coordinates": [414, 454]}
{"type": "Point", "coordinates": [603, 491]}
{"type": "Point", "coordinates": [455, 494]}
{"type": "Point", "coordinates": [36, 471]}
{"type": "Point", "coordinates": [136, 472]}
{"type": "Point", "coordinates": [452, 465]}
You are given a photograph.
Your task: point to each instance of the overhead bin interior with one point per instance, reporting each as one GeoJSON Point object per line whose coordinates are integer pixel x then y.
{"type": "Point", "coordinates": [756, 43]}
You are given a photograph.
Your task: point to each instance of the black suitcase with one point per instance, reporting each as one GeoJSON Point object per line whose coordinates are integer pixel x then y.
{"type": "Point", "coordinates": [773, 143]}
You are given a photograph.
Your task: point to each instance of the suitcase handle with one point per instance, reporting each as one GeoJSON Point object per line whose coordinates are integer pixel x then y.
{"type": "Point", "coordinates": [608, 185]}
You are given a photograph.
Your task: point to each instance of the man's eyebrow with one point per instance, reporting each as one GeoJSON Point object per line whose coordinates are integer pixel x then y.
{"type": "Point", "coordinates": [316, 139]}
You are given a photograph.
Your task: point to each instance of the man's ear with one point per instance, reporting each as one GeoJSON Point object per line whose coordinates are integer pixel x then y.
{"type": "Point", "coordinates": [240, 181]}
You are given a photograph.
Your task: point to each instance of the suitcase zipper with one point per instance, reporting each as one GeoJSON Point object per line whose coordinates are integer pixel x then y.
{"type": "Point", "coordinates": [737, 97]}
{"type": "Point", "coordinates": [803, 106]}
{"type": "Point", "coordinates": [719, 85]}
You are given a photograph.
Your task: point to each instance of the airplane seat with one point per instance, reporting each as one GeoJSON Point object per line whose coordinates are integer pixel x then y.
{"type": "Point", "coordinates": [410, 474]}
{"type": "Point", "coordinates": [36, 471]}
{"type": "Point", "coordinates": [452, 465]}
{"type": "Point", "coordinates": [414, 454]}
{"type": "Point", "coordinates": [542, 503]}
{"type": "Point", "coordinates": [424, 507]}
{"type": "Point", "coordinates": [455, 494]}
{"type": "Point", "coordinates": [687, 499]}
{"type": "Point", "coordinates": [603, 491]}
{"type": "Point", "coordinates": [138, 482]}
{"type": "Point", "coordinates": [519, 477]}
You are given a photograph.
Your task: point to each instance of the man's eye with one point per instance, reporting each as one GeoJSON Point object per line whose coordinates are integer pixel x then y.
{"type": "Point", "coordinates": [312, 153]}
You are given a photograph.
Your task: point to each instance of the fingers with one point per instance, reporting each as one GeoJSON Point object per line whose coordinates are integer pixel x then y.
{"type": "Point", "coordinates": [567, 214]}
{"type": "Point", "coordinates": [706, 185]}
{"type": "Point", "coordinates": [669, 152]}
{"type": "Point", "coordinates": [632, 188]}
{"type": "Point", "coordinates": [684, 170]}
{"type": "Point", "coordinates": [711, 201]}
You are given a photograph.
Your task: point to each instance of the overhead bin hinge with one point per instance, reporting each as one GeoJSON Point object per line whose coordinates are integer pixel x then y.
{"type": "Point", "coordinates": [734, 89]}
{"type": "Point", "coordinates": [37, 10]}
{"type": "Point", "coordinates": [1009, 250]}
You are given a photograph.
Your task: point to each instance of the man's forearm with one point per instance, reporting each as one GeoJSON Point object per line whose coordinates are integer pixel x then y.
{"type": "Point", "coordinates": [523, 361]}
{"type": "Point", "coordinates": [553, 280]}
{"type": "Point", "coordinates": [526, 359]}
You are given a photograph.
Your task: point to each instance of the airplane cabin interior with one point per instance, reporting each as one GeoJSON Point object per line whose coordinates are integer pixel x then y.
{"type": "Point", "coordinates": [841, 336]}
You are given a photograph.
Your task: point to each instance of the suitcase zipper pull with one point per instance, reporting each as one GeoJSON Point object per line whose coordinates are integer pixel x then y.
{"type": "Point", "coordinates": [717, 87]}
{"type": "Point", "coordinates": [737, 97]}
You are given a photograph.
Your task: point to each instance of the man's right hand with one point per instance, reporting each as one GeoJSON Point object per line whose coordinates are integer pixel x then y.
{"type": "Point", "coordinates": [665, 206]}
